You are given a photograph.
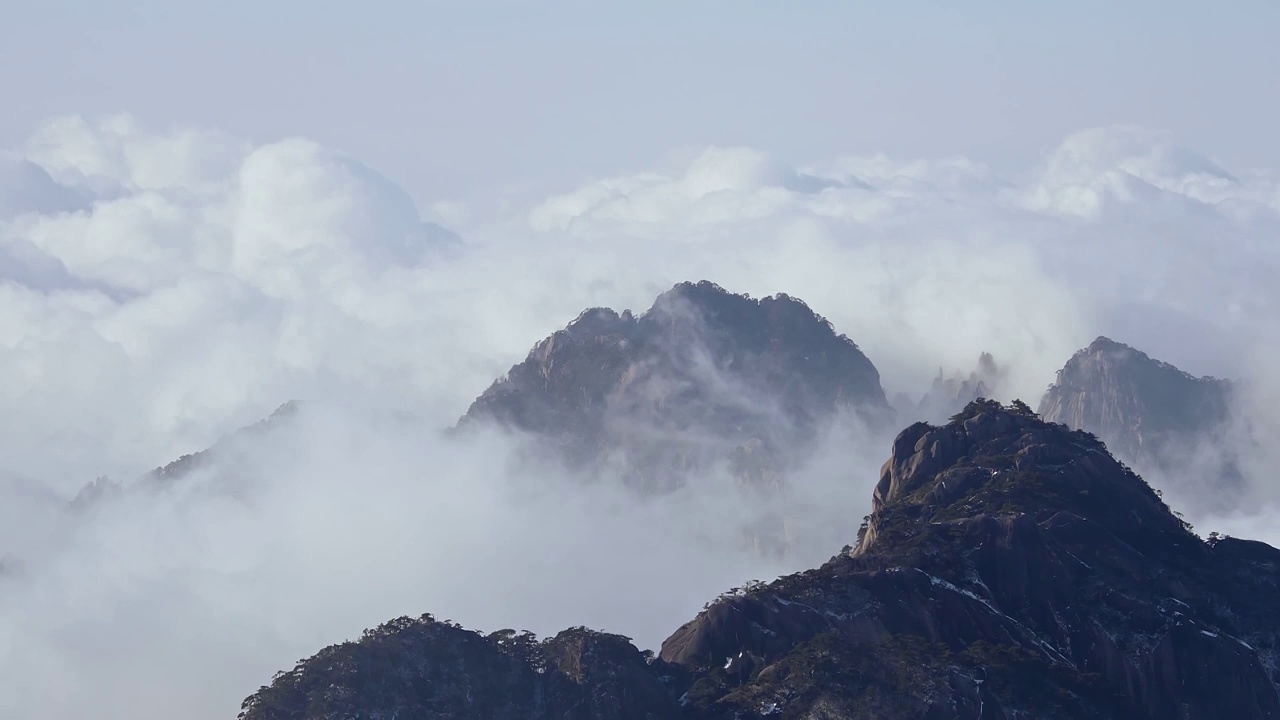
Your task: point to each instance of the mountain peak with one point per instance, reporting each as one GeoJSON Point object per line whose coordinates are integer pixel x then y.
{"type": "Point", "coordinates": [1011, 568]}
{"type": "Point", "coordinates": [777, 319]}
{"type": "Point", "coordinates": [697, 291]}
{"type": "Point", "coordinates": [1004, 460]}
{"type": "Point", "coordinates": [680, 386]}
{"type": "Point", "coordinates": [1102, 342]}
{"type": "Point", "coordinates": [1105, 350]}
{"type": "Point", "coordinates": [1150, 413]}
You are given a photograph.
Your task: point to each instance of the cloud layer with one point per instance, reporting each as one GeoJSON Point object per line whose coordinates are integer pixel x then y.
{"type": "Point", "coordinates": [162, 288]}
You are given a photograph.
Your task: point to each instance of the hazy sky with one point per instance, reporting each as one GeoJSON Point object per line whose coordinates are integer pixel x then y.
{"type": "Point", "coordinates": [451, 98]}
{"type": "Point", "coordinates": [207, 210]}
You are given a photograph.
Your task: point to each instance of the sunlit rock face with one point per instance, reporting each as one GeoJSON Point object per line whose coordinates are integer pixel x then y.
{"type": "Point", "coordinates": [1165, 422]}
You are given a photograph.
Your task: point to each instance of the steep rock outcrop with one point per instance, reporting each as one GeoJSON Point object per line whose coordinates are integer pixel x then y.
{"type": "Point", "coordinates": [1011, 568]}
{"type": "Point", "coordinates": [701, 376]}
{"type": "Point", "coordinates": [1163, 421]}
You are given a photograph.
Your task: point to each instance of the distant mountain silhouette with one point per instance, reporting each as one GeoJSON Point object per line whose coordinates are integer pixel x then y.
{"type": "Point", "coordinates": [704, 376]}
{"type": "Point", "coordinates": [949, 394]}
{"type": "Point", "coordinates": [232, 446]}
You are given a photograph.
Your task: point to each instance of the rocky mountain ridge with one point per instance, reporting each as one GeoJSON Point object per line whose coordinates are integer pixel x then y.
{"type": "Point", "coordinates": [1162, 420]}
{"type": "Point", "coordinates": [701, 377]}
{"type": "Point", "coordinates": [1011, 568]}
{"type": "Point", "coordinates": [661, 395]}
{"type": "Point", "coordinates": [1135, 401]}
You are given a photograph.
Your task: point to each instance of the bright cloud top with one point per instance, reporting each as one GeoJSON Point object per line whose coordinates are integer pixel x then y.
{"type": "Point", "coordinates": [161, 288]}
{"type": "Point", "coordinates": [172, 285]}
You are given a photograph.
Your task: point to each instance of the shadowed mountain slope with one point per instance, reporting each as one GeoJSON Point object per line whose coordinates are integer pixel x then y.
{"type": "Point", "coordinates": [1011, 568]}
{"type": "Point", "coordinates": [702, 377]}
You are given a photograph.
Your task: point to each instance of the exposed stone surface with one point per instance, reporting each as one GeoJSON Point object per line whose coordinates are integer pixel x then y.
{"type": "Point", "coordinates": [1011, 568]}
{"type": "Point", "coordinates": [702, 376]}
{"type": "Point", "coordinates": [1163, 421]}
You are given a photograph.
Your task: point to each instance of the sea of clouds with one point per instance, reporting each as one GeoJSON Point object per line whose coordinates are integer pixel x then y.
{"type": "Point", "coordinates": [161, 288]}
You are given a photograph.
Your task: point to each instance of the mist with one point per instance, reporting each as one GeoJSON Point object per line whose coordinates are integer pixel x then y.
{"type": "Point", "coordinates": [162, 288]}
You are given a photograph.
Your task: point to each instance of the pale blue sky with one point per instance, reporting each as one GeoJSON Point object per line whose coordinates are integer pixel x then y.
{"type": "Point", "coordinates": [454, 99]}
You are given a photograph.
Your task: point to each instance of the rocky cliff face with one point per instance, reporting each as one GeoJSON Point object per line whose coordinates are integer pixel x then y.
{"type": "Point", "coordinates": [1152, 415]}
{"type": "Point", "coordinates": [1011, 568]}
{"type": "Point", "coordinates": [703, 376]}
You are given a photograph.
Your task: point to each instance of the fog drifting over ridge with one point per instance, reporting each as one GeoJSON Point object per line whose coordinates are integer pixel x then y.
{"type": "Point", "coordinates": [163, 288]}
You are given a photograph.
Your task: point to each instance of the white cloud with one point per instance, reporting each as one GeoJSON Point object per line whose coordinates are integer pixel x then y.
{"type": "Point", "coordinates": [203, 280]}
{"type": "Point", "coordinates": [26, 187]}
{"type": "Point", "coordinates": [119, 154]}
{"type": "Point", "coordinates": [1130, 165]}
{"type": "Point", "coordinates": [217, 281]}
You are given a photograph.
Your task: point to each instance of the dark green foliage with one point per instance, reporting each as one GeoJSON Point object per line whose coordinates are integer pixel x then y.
{"type": "Point", "coordinates": [425, 669]}
{"type": "Point", "coordinates": [1028, 679]}
{"type": "Point", "coordinates": [1022, 408]}
{"type": "Point", "coordinates": [976, 407]}
{"type": "Point", "coordinates": [893, 677]}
